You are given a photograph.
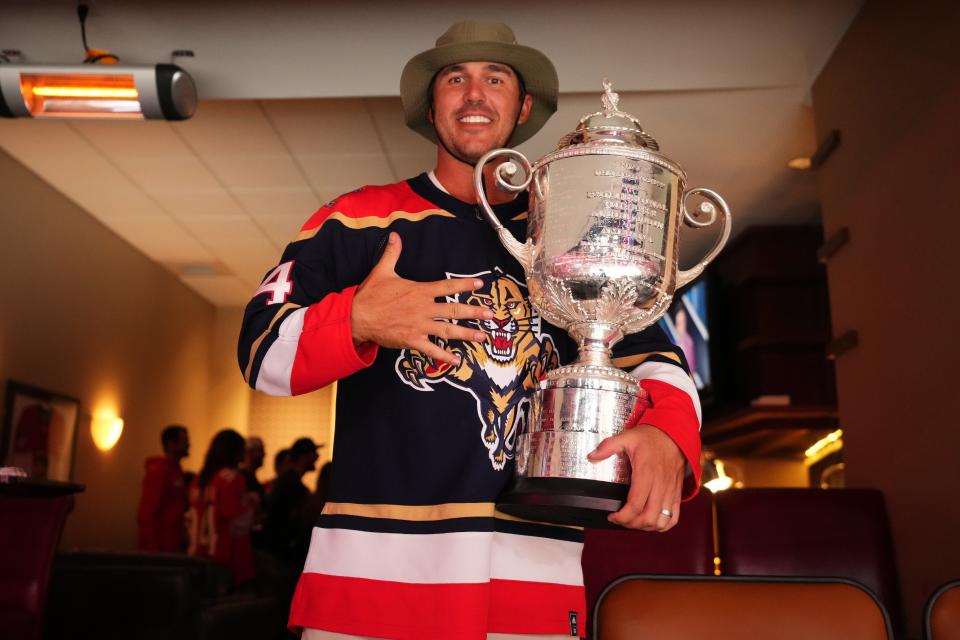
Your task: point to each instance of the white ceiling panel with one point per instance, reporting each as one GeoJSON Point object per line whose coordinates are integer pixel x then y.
{"type": "Point", "coordinates": [247, 259]}
{"type": "Point", "coordinates": [217, 230]}
{"type": "Point", "coordinates": [161, 239]}
{"type": "Point", "coordinates": [231, 127]}
{"type": "Point", "coordinates": [161, 174]}
{"type": "Point", "coordinates": [266, 202]}
{"type": "Point", "coordinates": [241, 171]}
{"type": "Point", "coordinates": [198, 203]}
{"type": "Point", "coordinates": [223, 291]}
{"type": "Point", "coordinates": [130, 140]}
{"type": "Point", "coordinates": [324, 126]}
{"type": "Point", "coordinates": [334, 174]}
{"type": "Point", "coordinates": [282, 228]}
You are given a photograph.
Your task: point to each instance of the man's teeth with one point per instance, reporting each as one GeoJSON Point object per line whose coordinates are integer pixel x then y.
{"type": "Point", "coordinates": [475, 119]}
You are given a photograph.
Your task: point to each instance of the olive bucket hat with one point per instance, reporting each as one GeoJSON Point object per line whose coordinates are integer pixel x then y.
{"type": "Point", "coordinates": [472, 41]}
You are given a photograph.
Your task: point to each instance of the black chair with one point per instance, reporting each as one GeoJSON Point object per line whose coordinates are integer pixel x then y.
{"type": "Point", "coordinates": [151, 596]}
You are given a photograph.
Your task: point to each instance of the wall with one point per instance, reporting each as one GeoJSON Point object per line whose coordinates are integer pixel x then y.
{"type": "Point", "coordinates": [892, 90]}
{"type": "Point", "coordinates": [281, 421]}
{"type": "Point", "coordinates": [228, 396]}
{"type": "Point", "coordinates": [84, 314]}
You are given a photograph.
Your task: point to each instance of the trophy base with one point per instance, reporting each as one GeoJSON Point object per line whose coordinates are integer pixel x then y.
{"type": "Point", "coordinates": [567, 501]}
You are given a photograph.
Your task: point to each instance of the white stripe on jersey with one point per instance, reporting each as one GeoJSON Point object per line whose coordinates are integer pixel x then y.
{"type": "Point", "coordinates": [443, 558]}
{"type": "Point", "coordinates": [675, 377]}
{"type": "Point", "coordinates": [277, 364]}
{"type": "Point", "coordinates": [533, 559]}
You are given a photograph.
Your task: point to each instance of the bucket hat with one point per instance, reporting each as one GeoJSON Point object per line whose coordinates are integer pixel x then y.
{"type": "Point", "coordinates": [472, 41]}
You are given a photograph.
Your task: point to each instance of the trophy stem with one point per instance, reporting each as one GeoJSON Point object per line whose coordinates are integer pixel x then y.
{"type": "Point", "coordinates": [595, 340]}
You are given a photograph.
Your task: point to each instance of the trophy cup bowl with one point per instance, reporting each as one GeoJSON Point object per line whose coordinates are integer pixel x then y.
{"type": "Point", "coordinates": [600, 260]}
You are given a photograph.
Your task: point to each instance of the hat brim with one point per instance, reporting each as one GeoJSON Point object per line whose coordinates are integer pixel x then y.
{"type": "Point", "coordinates": [538, 73]}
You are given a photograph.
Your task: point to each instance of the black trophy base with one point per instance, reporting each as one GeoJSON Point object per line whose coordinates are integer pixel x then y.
{"type": "Point", "coordinates": [570, 501]}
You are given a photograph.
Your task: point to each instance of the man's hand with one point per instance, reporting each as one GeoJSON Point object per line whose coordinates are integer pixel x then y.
{"type": "Point", "coordinates": [402, 314]}
{"type": "Point", "coordinates": [657, 468]}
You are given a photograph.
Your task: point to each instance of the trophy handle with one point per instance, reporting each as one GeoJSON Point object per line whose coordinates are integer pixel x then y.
{"type": "Point", "coordinates": [708, 209]}
{"type": "Point", "coordinates": [522, 251]}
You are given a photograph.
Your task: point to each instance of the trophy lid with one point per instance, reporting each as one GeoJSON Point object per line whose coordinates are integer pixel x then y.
{"type": "Point", "coordinates": [610, 126]}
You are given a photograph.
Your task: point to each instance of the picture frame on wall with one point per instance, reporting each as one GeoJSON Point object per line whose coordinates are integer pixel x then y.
{"type": "Point", "coordinates": [39, 433]}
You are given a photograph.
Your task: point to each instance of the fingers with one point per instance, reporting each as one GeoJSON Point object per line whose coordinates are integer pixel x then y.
{"type": "Point", "coordinates": [459, 311]}
{"type": "Point", "coordinates": [449, 331]}
{"type": "Point", "coordinates": [606, 448]}
{"type": "Point", "coordinates": [437, 354]}
{"type": "Point", "coordinates": [391, 253]}
{"type": "Point", "coordinates": [442, 288]}
{"type": "Point", "coordinates": [653, 503]}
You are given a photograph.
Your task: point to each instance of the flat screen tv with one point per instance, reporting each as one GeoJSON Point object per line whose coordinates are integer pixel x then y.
{"type": "Point", "coordinates": [686, 325]}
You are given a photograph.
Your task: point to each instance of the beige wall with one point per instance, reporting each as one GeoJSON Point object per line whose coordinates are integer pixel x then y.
{"type": "Point", "coordinates": [892, 90]}
{"type": "Point", "coordinates": [229, 396]}
{"type": "Point", "coordinates": [280, 421]}
{"type": "Point", "coordinates": [85, 314]}
{"type": "Point", "coordinates": [758, 473]}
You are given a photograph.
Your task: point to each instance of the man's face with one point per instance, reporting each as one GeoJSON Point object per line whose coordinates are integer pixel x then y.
{"type": "Point", "coordinates": [182, 447]}
{"type": "Point", "coordinates": [256, 455]}
{"type": "Point", "coordinates": [476, 106]}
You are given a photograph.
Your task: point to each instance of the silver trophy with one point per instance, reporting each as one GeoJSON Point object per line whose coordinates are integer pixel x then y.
{"type": "Point", "coordinates": [601, 262]}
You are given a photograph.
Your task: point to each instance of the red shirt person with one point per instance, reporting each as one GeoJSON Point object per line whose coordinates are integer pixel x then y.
{"type": "Point", "coordinates": [163, 497]}
{"type": "Point", "coordinates": [221, 512]}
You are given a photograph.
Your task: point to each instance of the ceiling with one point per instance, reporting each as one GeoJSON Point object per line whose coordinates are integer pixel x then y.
{"type": "Point", "coordinates": [298, 104]}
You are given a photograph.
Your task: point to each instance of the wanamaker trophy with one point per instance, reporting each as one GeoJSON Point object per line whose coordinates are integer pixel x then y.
{"type": "Point", "coordinates": [600, 260]}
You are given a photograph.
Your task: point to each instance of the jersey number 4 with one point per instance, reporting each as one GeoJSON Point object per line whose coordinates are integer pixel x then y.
{"type": "Point", "coordinates": [278, 284]}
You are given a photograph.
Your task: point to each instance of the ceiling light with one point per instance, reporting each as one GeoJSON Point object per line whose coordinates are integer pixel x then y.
{"type": "Point", "coordinates": [160, 92]}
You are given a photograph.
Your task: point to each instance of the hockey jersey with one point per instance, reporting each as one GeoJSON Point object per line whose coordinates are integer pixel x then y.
{"type": "Point", "coordinates": [409, 544]}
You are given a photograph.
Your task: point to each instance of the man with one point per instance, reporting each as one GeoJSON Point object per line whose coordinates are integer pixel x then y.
{"type": "Point", "coordinates": [431, 394]}
{"type": "Point", "coordinates": [252, 460]}
{"type": "Point", "coordinates": [163, 497]}
{"type": "Point", "coordinates": [286, 529]}
{"type": "Point", "coordinates": [281, 462]}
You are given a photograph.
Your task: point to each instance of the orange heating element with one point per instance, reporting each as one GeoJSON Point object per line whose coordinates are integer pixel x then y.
{"type": "Point", "coordinates": [93, 96]}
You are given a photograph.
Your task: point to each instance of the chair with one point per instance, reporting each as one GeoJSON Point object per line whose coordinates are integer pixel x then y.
{"type": "Point", "coordinates": [151, 596]}
{"type": "Point", "coordinates": [941, 619]}
{"type": "Point", "coordinates": [33, 513]}
{"type": "Point", "coordinates": [838, 533]}
{"type": "Point", "coordinates": [654, 607]}
{"type": "Point", "coordinates": [686, 549]}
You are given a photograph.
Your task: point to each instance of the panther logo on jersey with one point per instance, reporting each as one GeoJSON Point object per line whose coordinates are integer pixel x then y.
{"type": "Point", "coordinates": [500, 373]}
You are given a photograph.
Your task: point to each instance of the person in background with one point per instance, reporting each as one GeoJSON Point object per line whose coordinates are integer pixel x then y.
{"type": "Point", "coordinates": [163, 495]}
{"type": "Point", "coordinates": [220, 514]}
{"type": "Point", "coordinates": [281, 462]}
{"type": "Point", "coordinates": [288, 523]}
{"type": "Point", "coordinates": [253, 460]}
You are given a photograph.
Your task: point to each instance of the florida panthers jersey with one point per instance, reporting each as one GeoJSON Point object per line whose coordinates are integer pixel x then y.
{"type": "Point", "coordinates": [409, 544]}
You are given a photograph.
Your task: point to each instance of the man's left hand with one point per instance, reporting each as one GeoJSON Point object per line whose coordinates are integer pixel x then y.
{"type": "Point", "coordinates": [657, 469]}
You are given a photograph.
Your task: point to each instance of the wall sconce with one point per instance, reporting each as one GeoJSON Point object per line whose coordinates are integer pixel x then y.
{"type": "Point", "coordinates": [106, 430]}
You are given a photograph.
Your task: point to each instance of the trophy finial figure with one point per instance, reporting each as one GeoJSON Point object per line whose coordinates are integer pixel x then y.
{"type": "Point", "coordinates": [610, 99]}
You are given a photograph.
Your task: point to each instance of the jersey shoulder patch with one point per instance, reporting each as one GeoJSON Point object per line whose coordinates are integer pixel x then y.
{"type": "Point", "coordinates": [370, 206]}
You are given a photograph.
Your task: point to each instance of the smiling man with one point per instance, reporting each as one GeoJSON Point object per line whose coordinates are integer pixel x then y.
{"type": "Point", "coordinates": [405, 295]}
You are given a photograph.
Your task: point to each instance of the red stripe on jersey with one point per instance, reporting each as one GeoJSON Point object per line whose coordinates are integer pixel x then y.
{"type": "Point", "coordinates": [674, 414]}
{"type": "Point", "coordinates": [535, 607]}
{"type": "Point", "coordinates": [378, 201]}
{"type": "Point", "coordinates": [401, 610]}
{"type": "Point", "coordinates": [427, 611]}
{"type": "Point", "coordinates": [325, 350]}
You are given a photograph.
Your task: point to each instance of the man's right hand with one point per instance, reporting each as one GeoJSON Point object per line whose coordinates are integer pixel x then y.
{"type": "Point", "coordinates": [402, 314]}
